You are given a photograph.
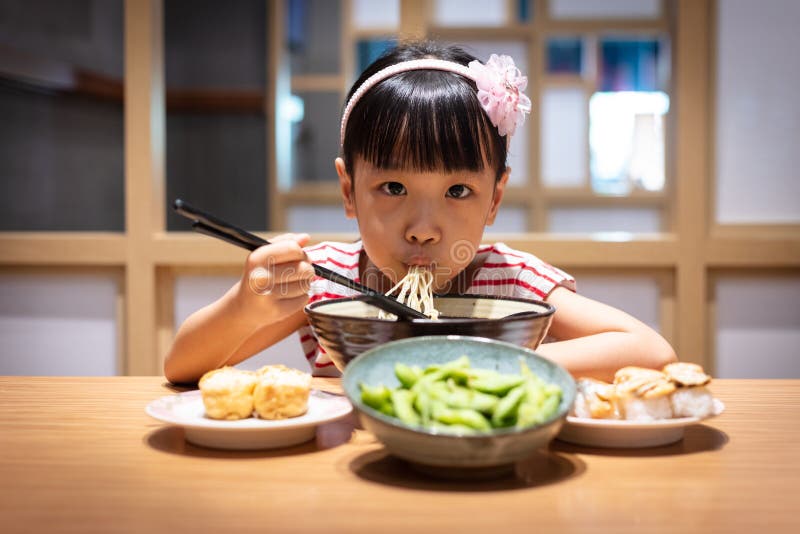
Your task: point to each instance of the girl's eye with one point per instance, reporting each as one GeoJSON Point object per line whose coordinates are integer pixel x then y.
{"type": "Point", "coordinates": [393, 188]}
{"type": "Point", "coordinates": [459, 191]}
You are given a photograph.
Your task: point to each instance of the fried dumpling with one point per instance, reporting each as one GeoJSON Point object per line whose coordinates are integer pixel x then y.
{"type": "Point", "coordinates": [228, 393]}
{"type": "Point", "coordinates": [281, 392]}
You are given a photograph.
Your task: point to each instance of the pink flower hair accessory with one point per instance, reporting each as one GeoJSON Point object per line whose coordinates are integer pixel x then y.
{"type": "Point", "coordinates": [500, 92]}
{"type": "Point", "coordinates": [500, 88]}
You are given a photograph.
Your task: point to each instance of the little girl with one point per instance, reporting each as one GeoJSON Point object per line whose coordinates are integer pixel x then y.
{"type": "Point", "coordinates": [424, 136]}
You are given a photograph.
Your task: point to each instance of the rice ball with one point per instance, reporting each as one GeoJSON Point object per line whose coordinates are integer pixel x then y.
{"type": "Point", "coordinates": [644, 409]}
{"type": "Point", "coordinates": [692, 402]}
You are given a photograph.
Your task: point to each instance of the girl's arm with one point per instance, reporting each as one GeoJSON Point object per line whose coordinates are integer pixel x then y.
{"type": "Point", "coordinates": [594, 339]}
{"type": "Point", "coordinates": [263, 307]}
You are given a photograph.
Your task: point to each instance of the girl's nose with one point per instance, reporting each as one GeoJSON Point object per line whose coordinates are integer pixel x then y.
{"type": "Point", "coordinates": [422, 229]}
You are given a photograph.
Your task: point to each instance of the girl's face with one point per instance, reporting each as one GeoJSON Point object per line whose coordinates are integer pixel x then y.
{"type": "Point", "coordinates": [429, 219]}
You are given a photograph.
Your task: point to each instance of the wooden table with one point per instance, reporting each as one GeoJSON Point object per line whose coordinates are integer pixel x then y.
{"type": "Point", "coordinates": [80, 455]}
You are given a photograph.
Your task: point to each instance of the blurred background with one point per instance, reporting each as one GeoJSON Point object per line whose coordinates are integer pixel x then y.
{"type": "Point", "coordinates": [657, 165]}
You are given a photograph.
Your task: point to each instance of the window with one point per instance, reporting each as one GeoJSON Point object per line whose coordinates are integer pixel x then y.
{"type": "Point", "coordinates": [61, 103]}
{"type": "Point", "coordinates": [215, 72]}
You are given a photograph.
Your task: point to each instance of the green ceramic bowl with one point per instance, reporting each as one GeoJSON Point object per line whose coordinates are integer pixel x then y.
{"type": "Point", "coordinates": [500, 448]}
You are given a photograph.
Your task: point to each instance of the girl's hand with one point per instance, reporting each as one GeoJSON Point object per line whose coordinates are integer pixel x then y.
{"type": "Point", "coordinates": [275, 281]}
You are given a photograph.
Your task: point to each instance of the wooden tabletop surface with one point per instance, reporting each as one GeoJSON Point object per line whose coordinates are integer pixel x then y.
{"type": "Point", "coordinates": [81, 455]}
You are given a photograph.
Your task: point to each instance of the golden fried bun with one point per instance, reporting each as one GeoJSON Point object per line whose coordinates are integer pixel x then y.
{"type": "Point", "coordinates": [281, 392]}
{"type": "Point", "coordinates": [228, 393]}
{"type": "Point", "coordinates": [687, 374]}
{"type": "Point", "coordinates": [642, 382]}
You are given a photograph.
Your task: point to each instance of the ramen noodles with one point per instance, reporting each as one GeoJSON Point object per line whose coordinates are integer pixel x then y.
{"type": "Point", "coordinates": [415, 290]}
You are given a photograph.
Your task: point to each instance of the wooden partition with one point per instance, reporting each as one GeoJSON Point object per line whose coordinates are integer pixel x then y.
{"type": "Point", "coordinates": [681, 257]}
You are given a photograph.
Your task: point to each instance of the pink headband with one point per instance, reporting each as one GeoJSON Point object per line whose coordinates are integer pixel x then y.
{"type": "Point", "coordinates": [500, 88]}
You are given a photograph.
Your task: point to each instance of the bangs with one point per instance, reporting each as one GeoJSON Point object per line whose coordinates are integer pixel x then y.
{"type": "Point", "coordinates": [424, 121]}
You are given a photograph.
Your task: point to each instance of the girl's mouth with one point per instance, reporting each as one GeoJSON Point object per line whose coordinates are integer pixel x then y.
{"type": "Point", "coordinates": [420, 261]}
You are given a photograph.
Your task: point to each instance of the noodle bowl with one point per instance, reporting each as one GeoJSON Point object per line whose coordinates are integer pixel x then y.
{"type": "Point", "coordinates": [347, 327]}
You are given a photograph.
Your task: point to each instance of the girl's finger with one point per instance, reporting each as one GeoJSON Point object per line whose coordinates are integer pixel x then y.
{"type": "Point", "coordinates": [279, 291]}
{"type": "Point", "coordinates": [283, 251]}
{"type": "Point", "coordinates": [300, 239]}
{"type": "Point", "coordinates": [292, 290]}
{"type": "Point", "coordinates": [292, 272]}
{"type": "Point", "coordinates": [280, 280]}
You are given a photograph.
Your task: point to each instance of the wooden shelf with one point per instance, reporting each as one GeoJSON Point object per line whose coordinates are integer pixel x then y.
{"type": "Point", "coordinates": [62, 248]}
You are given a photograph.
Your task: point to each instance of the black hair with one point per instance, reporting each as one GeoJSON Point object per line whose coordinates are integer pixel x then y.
{"type": "Point", "coordinates": [422, 120]}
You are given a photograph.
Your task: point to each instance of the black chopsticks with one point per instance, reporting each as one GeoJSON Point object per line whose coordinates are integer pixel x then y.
{"type": "Point", "coordinates": [210, 225]}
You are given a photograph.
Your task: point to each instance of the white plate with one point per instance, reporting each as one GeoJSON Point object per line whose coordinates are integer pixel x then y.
{"type": "Point", "coordinates": [186, 410]}
{"type": "Point", "coordinates": [614, 433]}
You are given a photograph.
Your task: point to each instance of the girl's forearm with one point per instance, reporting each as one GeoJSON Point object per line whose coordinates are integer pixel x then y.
{"type": "Point", "coordinates": [600, 355]}
{"type": "Point", "coordinates": [207, 339]}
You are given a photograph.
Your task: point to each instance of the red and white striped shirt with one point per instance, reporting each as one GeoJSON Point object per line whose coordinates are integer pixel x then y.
{"type": "Point", "coordinates": [506, 272]}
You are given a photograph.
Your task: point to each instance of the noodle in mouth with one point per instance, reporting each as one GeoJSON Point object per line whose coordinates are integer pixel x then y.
{"type": "Point", "coordinates": [415, 290]}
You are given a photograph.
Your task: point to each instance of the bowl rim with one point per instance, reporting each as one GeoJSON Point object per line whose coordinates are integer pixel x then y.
{"type": "Point", "coordinates": [519, 316]}
{"type": "Point", "coordinates": [359, 406]}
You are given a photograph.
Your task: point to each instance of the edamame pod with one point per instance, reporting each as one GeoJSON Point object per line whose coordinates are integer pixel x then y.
{"type": "Point", "coordinates": [402, 401]}
{"type": "Point", "coordinates": [462, 397]}
{"type": "Point", "coordinates": [387, 409]}
{"type": "Point", "coordinates": [496, 384]}
{"type": "Point", "coordinates": [422, 404]}
{"type": "Point", "coordinates": [540, 403]}
{"type": "Point", "coordinates": [460, 416]}
{"type": "Point", "coordinates": [505, 414]}
{"type": "Point", "coordinates": [550, 405]}
{"type": "Point", "coordinates": [375, 396]}
{"type": "Point", "coordinates": [407, 375]}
